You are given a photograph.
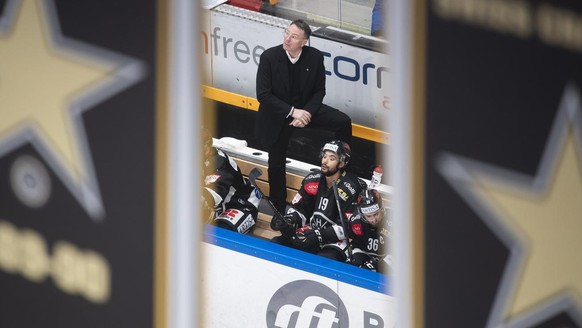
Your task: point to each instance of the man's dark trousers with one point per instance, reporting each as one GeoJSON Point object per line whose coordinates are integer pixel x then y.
{"type": "Point", "coordinates": [327, 118]}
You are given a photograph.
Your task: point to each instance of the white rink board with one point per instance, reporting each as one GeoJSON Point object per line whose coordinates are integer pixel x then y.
{"type": "Point", "coordinates": [357, 83]}
{"type": "Point", "coordinates": [241, 290]}
{"type": "Point", "coordinates": [235, 45]}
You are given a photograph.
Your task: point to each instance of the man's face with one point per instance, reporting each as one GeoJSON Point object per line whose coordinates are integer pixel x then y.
{"type": "Point", "coordinates": [330, 163]}
{"type": "Point", "coordinates": [293, 39]}
{"type": "Point", "coordinates": [374, 218]}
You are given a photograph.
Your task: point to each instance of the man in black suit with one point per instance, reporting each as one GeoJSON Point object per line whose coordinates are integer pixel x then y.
{"type": "Point", "coordinates": [290, 90]}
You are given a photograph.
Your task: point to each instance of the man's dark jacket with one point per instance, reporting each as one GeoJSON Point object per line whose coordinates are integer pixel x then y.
{"type": "Point", "coordinates": [274, 93]}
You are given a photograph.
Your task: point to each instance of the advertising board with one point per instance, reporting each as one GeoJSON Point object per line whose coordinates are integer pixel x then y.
{"type": "Point", "coordinates": [267, 285]}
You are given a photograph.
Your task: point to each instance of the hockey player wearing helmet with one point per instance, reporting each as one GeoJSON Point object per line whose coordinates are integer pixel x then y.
{"type": "Point", "coordinates": [230, 201]}
{"type": "Point", "coordinates": [370, 232]}
{"type": "Point", "coordinates": [312, 223]}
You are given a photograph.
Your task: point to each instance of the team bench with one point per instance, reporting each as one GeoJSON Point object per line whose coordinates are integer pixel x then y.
{"type": "Point", "coordinates": [249, 158]}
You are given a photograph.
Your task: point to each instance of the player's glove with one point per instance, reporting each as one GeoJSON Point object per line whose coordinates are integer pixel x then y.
{"type": "Point", "coordinates": [277, 223]}
{"type": "Point", "coordinates": [292, 219]}
{"type": "Point", "coordinates": [307, 239]}
{"type": "Point", "coordinates": [370, 265]}
{"type": "Point", "coordinates": [284, 222]}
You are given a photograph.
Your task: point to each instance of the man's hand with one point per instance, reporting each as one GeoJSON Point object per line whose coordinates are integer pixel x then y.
{"type": "Point", "coordinates": [300, 118]}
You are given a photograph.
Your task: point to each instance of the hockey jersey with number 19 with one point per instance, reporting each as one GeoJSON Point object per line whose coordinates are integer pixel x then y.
{"type": "Point", "coordinates": [315, 202]}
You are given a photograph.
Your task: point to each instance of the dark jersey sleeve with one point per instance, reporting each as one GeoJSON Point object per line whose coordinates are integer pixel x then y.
{"type": "Point", "coordinates": [349, 187]}
{"type": "Point", "coordinates": [304, 201]}
{"type": "Point", "coordinates": [358, 231]}
{"type": "Point", "coordinates": [367, 239]}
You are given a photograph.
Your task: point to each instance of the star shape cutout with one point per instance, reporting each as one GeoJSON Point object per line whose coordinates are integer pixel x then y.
{"type": "Point", "coordinates": [538, 218]}
{"type": "Point", "coordinates": [46, 82]}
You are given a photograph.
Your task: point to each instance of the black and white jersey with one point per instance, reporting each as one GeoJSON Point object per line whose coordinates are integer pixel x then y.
{"type": "Point", "coordinates": [225, 186]}
{"type": "Point", "coordinates": [316, 203]}
{"type": "Point", "coordinates": [375, 242]}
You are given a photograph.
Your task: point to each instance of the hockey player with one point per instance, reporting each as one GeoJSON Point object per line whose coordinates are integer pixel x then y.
{"type": "Point", "coordinates": [312, 223]}
{"type": "Point", "coordinates": [231, 202]}
{"type": "Point", "coordinates": [371, 233]}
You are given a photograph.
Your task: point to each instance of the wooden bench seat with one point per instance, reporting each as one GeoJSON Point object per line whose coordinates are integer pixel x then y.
{"type": "Point", "coordinates": [293, 180]}
{"type": "Point", "coordinates": [262, 229]}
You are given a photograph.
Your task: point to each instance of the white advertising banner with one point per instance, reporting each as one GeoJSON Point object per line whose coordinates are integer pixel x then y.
{"type": "Point", "coordinates": [235, 45]}
{"type": "Point", "coordinates": [206, 69]}
{"type": "Point", "coordinates": [245, 290]}
{"type": "Point", "coordinates": [357, 78]}
{"type": "Point", "coordinates": [357, 81]}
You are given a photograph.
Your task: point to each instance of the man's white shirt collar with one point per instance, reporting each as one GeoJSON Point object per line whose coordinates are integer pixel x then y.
{"type": "Point", "coordinates": [293, 60]}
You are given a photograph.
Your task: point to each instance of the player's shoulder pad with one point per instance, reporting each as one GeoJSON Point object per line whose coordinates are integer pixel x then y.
{"type": "Point", "coordinates": [355, 218]}
{"type": "Point", "coordinates": [349, 184]}
{"type": "Point", "coordinates": [357, 225]}
{"type": "Point", "coordinates": [313, 176]}
{"type": "Point", "coordinates": [310, 183]}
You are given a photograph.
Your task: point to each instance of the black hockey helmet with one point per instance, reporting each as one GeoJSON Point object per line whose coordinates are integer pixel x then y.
{"type": "Point", "coordinates": [369, 201]}
{"type": "Point", "coordinates": [341, 148]}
